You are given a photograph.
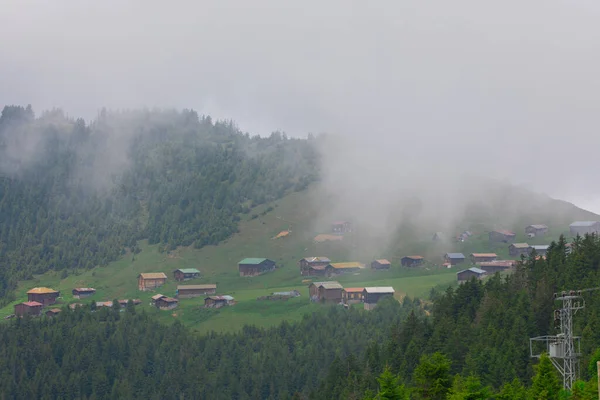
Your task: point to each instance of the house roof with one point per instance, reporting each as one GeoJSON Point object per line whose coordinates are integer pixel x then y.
{"type": "Point", "coordinates": [32, 304]}
{"type": "Point", "coordinates": [484, 255]}
{"type": "Point", "coordinates": [290, 293]}
{"type": "Point", "coordinates": [383, 261]}
{"type": "Point", "coordinates": [473, 269]}
{"type": "Point", "coordinates": [538, 226]}
{"type": "Point", "coordinates": [503, 263]}
{"type": "Point", "coordinates": [153, 275]}
{"type": "Point", "coordinates": [414, 257]}
{"type": "Point", "coordinates": [353, 289]}
{"type": "Point", "coordinates": [352, 264]}
{"type": "Point", "coordinates": [169, 300]}
{"type": "Point", "coordinates": [41, 290]}
{"type": "Point", "coordinates": [520, 245]}
{"type": "Point", "coordinates": [224, 297]}
{"type": "Point", "coordinates": [104, 304]}
{"type": "Point", "coordinates": [380, 289]}
{"type": "Point", "coordinates": [158, 296]}
{"type": "Point", "coordinates": [316, 259]}
{"type": "Point", "coordinates": [55, 310]}
{"type": "Point", "coordinates": [505, 232]}
{"type": "Point", "coordinates": [85, 289]}
{"type": "Point", "coordinates": [188, 270]}
{"type": "Point", "coordinates": [197, 287]}
{"type": "Point", "coordinates": [328, 285]}
{"type": "Point", "coordinates": [583, 223]}
{"type": "Point", "coordinates": [540, 246]}
{"type": "Point", "coordinates": [455, 255]}
{"type": "Point", "coordinates": [253, 261]}
{"type": "Point", "coordinates": [319, 267]}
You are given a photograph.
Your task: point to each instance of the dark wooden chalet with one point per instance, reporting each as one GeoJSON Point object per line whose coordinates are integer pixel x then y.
{"type": "Point", "coordinates": [328, 292]}
{"type": "Point", "coordinates": [372, 295]}
{"type": "Point", "coordinates": [218, 301]}
{"type": "Point", "coordinates": [33, 308]}
{"type": "Point", "coordinates": [518, 249]}
{"type": "Point", "coordinates": [502, 236]}
{"type": "Point", "coordinates": [582, 227]}
{"type": "Point", "coordinates": [483, 257]}
{"type": "Point", "coordinates": [536, 230]}
{"type": "Point", "coordinates": [339, 227]}
{"type": "Point", "coordinates": [311, 262]}
{"type": "Point", "coordinates": [82, 293]}
{"type": "Point", "coordinates": [465, 275]}
{"type": "Point", "coordinates": [53, 312]}
{"type": "Point", "coordinates": [151, 280]}
{"type": "Point", "coordinates": [540, 249]}
{"type": "Point", "coordinates": [496, 266]}
{"type": "Point", "coordinates": [344, 268]}
{"type": "Point", "coordinates": [166, 303]}
{"type": "Point", "coordinates": [184, 274]}
{"type": "Point", "coordinates": [43, 295]}
{"type": "Point", "coordinates": [381, 264]}
{"type": "Point", "coordinates": [454, 258]}
{"type": "Point", "coordinates": [255, 266]}
{"type": "Point", "coordinates": [411, 261]}
{"type": "Point", "coordinates": [352, 295]}
{"type": "Point", "coordinates": [189, 291]}
{"type": "Point", "coordinates": [156, 297]}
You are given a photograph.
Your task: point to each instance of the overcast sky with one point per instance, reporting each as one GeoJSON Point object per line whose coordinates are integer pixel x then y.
{"type": "Point", "coordinates": [505, 88]}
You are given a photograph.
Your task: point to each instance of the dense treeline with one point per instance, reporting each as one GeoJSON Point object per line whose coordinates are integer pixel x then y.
{"type": "Point", "coordinates": [109, 354]}
{"type": "Point", "coordinates": [76, 196]}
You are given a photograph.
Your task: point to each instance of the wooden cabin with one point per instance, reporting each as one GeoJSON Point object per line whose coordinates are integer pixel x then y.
{"type": "Point", "coordinates": [156, 297]}
{"type": "Point", "coordinates": [166, 303]}
{"type": "Point", "coordinates": [328, 292]}
{"type": "Point", "coordinates": [82, 293]}
{"type": "Point", "coordinates": [502, 236]}
{"type": "Point", "coordinates": [53, 312]}
{"type": "Point", "coordinates": [372, 295]}
{"type": "Point", "coordinates": [454, 258]}
{"type": "Point", "coordinates": [189, 291]}
{"type": "Point", "coordinates": [151, 280]}
{"type": "Point", "coordinates": [310, 262]}
{"type": "Point", "coordinates": [536, 230]}
{"type": "Point", "coordinates": [518, 249]}
{"type": "Point", "coordinates": [352, 295]}
{"type": "Point", "coordinates": [582, 227]}
{"type": "Point", "coordinates": [255, 266]}
{"type": "Point", "coordinates": [43, 295]}
{"type": "Point", "coordinates": [381, 264]}
{"type": "Point", "coordinates": [32, 308]}
{"type": "Point", "coordinates": [411, 261]}
{"type": "Point", "coordinates": [496, 266]}
{"type": "Point", "coordinates": [540, 249]}
{"type": "Point", "coordinates": [465, 275]}
{"type": "Point", "coordinates": [483, 257]}
{"type": "Point", "coordinates": [185, 274]}
{"type": "Point", "coordinates": [346, 267]}
{"type": "Point", "coordinates": [218, 301]}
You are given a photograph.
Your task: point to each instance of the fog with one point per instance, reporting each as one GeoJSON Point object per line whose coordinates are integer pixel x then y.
{"type": "Point", "coordinates": [416, 94]}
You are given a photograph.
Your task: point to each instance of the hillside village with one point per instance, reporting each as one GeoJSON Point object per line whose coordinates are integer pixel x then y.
{"type": "Point", "coordinates": [44, 301]}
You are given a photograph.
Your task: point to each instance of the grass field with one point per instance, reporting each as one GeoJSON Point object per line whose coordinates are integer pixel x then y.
{"type": "Point", "coordinates": [218, 264]}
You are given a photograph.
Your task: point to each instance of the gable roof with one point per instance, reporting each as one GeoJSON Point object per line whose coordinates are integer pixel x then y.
{"type": "Point", "coordinates": [538, 226]}
{"type": "Point", "coordinates": [169, 300]}
{"type": "Point", "coordinates": [540, 246]}
{"type": "Point", "coordinates": [455, 255]}
{"type": "Point", "coordinates": [188, 270]}
{"type": "Point", "coordinates": [197, 287]}
{"type": "Point", "coordinates": [158, 296]}
{"type": "Point", "coordinates": [41, 290]}
{"type": "Point", "coordinates": [520, 245]}
{"type": "Point", "coordinates": [380, 289]}
{"type": "Point", "coordinates": [472, 269]}
{"type": "Point", "coordinates": [504, 232]}
{"type": "Point", "coordinates": [316, 259]}
{"type": "Point", "coordinates": [583, 223]}
{"type": "Point", "coordinates": [253, 261]}
{"type": "Point", "coordinates": [499, 263]}
{"type": "Point", "coordinates": [353, 289]}
{"type": "Point", "coordinates": [484, 255]}
{"type": "Point", "coordinates": [54, 310]}
{"type": "Point", "coordinates": [84, 289]}
{"type": "Point", "coordinates": [414, 257]}
{"type": "Point", "coordinates": [223, 297]}
{"type": "Point", "coordinates": [153, 275]}
{"type": "Point", "coordinates": [32, 304]}
{"type": "Point", "coordinates": [328, 285]}
{"type": "Point", "coordinates": [352, 264]}
{"type": "Point", "coordinates": [383, 261]}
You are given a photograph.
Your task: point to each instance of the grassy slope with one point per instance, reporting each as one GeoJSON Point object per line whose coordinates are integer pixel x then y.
{"type": "Point", "coordinates": [218, 264]}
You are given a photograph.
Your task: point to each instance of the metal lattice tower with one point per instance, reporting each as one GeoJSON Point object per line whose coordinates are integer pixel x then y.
{"type": "Point", "coordinates": [564, 348]}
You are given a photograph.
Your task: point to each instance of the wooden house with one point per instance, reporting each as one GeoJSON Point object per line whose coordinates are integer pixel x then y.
{"type": "Point", "coordinates": [185, 274]}
{"type": "Point", "coordinates": [82, 293]}
{"type": "Point", "coordinates": [372, 295]}
{"type": "Point", "coordinates": [536, 230]}
{"type": "Point", "coordinates": [100, 304]}
{"type": "Point", "coordinates": [43, 295]}
{"type": "Point", "coordinates": [582, 227]}
{"type": "Point", "coordinates": [465, 275]}
{"type": "Point", "coordinates": [345, 267]}
{"type": "Point", "coordinates": [189, 291]}
{"type": "Point", "coordinates": [310, 262]}
{"type": "Point", "coordinates": [352, 295]}
{"type": "Point", "coordinates": [218, 301]}
{"type": "Point", "coordinates": [166, 303]}
{"type": "Point", "coordinates": [411, 261]}
{"type": "Point", "coordinates": [381, 264]}
{"type": "Point", "coordinates": [156, 297]}
{"type": "Point", "coordinates": [454, 258]}
{"type": "Point", "coordinates": [518, 249]}
{"type": "Point", "coordinates": [502, 236]}
{"type": "Point", "coordinates": [340, 227]}
{"type": "Point", "coordinates": [483, 257]}
{"type": "Point", "coordinates": [255, 266]}
{"type": "Point", "coordinates": [540, 249]}
{"type": "Point", "coordinates": [33, 308]}
{"type": "Point", "coordinates": [329, 292]}
{"type": "Point", "coordinates": [492, 267]}
{"type": "Point", "coordinates": [151, 280]}
{"type": "Point", "coordinates": [53, 312]}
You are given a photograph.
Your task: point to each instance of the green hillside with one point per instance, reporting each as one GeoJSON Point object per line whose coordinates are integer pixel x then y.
{"type": "Point", "coordinates": [218, 264]}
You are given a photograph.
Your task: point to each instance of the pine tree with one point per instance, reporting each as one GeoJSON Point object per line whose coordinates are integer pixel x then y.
{"type": "Point", "coordinates": [545, 383]}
